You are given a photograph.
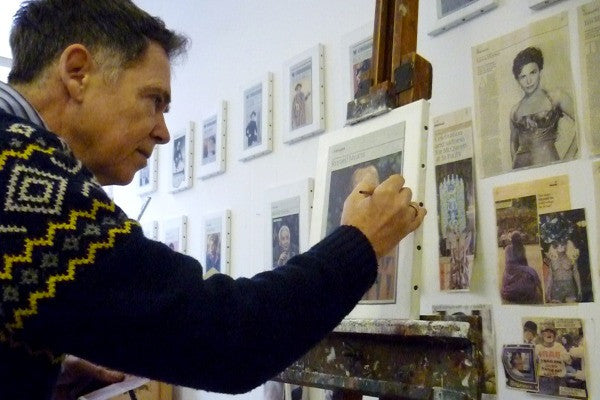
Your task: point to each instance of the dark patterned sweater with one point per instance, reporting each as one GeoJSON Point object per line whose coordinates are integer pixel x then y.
{"type": "Point", "coordinates": [77, 276]}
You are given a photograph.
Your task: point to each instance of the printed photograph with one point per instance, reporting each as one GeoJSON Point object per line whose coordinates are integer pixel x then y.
{"type": "Point", "coordinates": [456, 210]}
{"type": "Point", "coordinates": [209, 140]}
{"type": "Point", "coordinates": [559, 355]}
{"type": "Point", "coordinates": [213, 252]}
{"type": "Point", "coordinates": [252, 116]}
{"type": "Point", "coordinates": [519, 367]}
{"type": "Point", "coordinates": [519, 251]}
{"type": "Point", "coordinates": [178, 177]}
{"type": "Point", "coordinates": [566, 270]}
{"type": "Point", "coordinates": [300, 94]}
{"type": "Point", "coordinates": [285, 238]}
{"type": "Point", "coordinates": [360, 59]}
{"type": "Point", "coordinates": [525, 98]}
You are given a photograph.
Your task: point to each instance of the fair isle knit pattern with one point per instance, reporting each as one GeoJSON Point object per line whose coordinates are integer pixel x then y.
{"type": "Point", "coordinates": [44, 242]}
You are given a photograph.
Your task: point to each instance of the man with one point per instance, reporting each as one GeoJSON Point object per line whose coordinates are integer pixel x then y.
{"type": "Point", "coordinates": [88, 89]}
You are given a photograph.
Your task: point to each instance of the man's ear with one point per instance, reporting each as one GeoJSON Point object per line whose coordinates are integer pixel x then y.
{"type": "Point", "coordinates": [75, 66]}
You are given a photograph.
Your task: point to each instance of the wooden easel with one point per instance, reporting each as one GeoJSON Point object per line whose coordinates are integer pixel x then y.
{"type": "Point", "coordinates": [398, 74]}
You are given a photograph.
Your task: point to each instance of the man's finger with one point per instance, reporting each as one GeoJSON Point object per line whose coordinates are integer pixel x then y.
{"type": "Point", "coordinates": [394, 183]}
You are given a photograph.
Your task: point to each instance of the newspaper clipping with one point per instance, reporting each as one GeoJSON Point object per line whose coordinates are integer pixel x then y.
{"type": "Point", "coordinates": [373, 157]}
{"type": "Point", "coordinates": [559, 355]}
{"type": "Point", "coordinates": [524, 98]}
{"type": "Point", "coordinates": [360, 62]}
{"type": "Point", "coordinates": [589, 50]}
{"type": "Point", "coordinates": [253, 116]}
{"type": "Point", "coordinates": [209, 140]}
{"type": "Point", "coordinates": [519, 367]}
{"type": "Point", "coordinates": [543, 255]}
{"type": "Point", "coordinates": [285, 230]}
{"type": "Point", "coordinates": [300, 94]}
{"type": "Point", "coordinates": [453, 149]}
{"type": "Point", "coordinates": [212, 229]}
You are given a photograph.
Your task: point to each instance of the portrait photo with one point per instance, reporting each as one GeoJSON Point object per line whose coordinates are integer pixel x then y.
{"type": "Point", "coordinates": [285, 238]}
{"type": "Point", "coordinates": [300, 94]}
{"type": "Point", "coordinates": [182, 158]}
{"type": "Point", "coordinates": [525, 98]}
{"type": "Point", "coordinates": [252, 116]}
{"type": "Point", "coordinates": [209, 140]}
{"type": "Point", "coordinates": [257, 130]}
{"type": "Point", "coordinates": [216, 243]}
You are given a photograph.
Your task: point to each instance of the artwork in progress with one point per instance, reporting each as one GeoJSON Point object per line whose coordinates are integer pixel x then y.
{"type": "Point", "coordinates": [216, 243]}
{"type": "Point", "coordinates": [525, 98]}
{"type": "Point", "coordinates": [373, 151]}
{"type": "Point", "coordinates": [305, 104]}
{"type": "Point", "coordinates": [258, 118]}
{"type": "Point", "coordinates": [182, 159]}
{"type": "Point", "coordinates": [213, 141]}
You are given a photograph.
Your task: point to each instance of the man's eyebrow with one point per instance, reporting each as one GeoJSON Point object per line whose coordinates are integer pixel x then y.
{"type": "Point", "coordinates": [166, 96]}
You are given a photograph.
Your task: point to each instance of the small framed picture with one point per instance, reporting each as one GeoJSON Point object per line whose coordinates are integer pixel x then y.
{"type": "Point", "coordinates": [147, 178]}
{"type": "Point", "coordinates": [213, 142]}
{"type": "Point", "coordinates": [289, 210]}
{"type": "Point", "coordinates": [150, 229]}
{"type": "Point", "coordinates": [451, 13]}
{"type": "Point", "coordinates": [217, 243]}
{"type": "Point", "coordinates": [182, 159]}
{"type": "Point", "coordinates": [304, 101]}
{"type": "Point", "coordinates": [174, 233]}
{"type": "Point", "coordinates": [539, 4]}
{"type": "Point", "coordinates": [257, 137]}
{"type": "Point", "coordinates": [358, 46]}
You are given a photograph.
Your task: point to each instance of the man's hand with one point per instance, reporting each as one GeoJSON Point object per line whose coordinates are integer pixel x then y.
{"type": "Point", "coordinates": [384, 213]}
{"type": "Point", "coordinates": [79, 377]}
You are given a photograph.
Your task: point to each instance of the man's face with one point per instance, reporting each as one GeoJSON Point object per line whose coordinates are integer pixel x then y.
{"type": "Point", "coordinates": [118, 124]}
{"type": "Point", "coordinates": [528, 335]}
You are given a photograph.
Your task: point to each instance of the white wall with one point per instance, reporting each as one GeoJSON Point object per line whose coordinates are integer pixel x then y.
{"type": "Point", "coordinates": [236, 41]}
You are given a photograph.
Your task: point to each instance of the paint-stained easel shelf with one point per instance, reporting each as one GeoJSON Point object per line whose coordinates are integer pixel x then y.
{"type": "Point", "coordinates": [404, 359]}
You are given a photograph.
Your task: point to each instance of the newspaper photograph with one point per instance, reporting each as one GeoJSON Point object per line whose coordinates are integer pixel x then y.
{"type": "Point", "coordinates": [360, 62]}
{"type": "Point", "coordinates": [300, 95]}
{"type": "Point", "coordinates": [372, 157]}
{"type": "Point", "coordinates": [559, 355]}
{"type": "Point", "coordinates": [209, 140]}
{"type": "Point", "coordinates": [453, 151]}
{"type": "Point", "coordinates": [212, 261]}
{"type": "Point", "coordinates": [588, 21]}
{"type": "Point", "coordinates": [178, 166]}
{"type": "Point", "coordinates": [253, 116]}
{"type": "Point", "coordinates": [484, 311]}
{"type": "Point", "coordinates": [566, 269]}
{"type": "Point", "coordinates": [525, 110]}
{"type": "Point", "coordinates": [518, 361]}
{"type": "Point", "coordinates": [520, 258]}
{"type": "Point", "coordinates": [285, 230]}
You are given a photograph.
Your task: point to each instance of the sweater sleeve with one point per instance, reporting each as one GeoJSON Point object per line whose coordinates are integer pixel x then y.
{"type": "Point", "coordinates": [79, 277]}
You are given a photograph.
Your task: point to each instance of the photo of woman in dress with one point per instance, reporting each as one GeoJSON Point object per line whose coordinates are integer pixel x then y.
{"type": "Point", "coordinates": [534, 119]}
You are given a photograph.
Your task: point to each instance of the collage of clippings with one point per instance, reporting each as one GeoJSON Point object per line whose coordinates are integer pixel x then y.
{"type": "Point", "coordinates": [550, 360]}
{"type": "Point", "coordinates": [543, 255]}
